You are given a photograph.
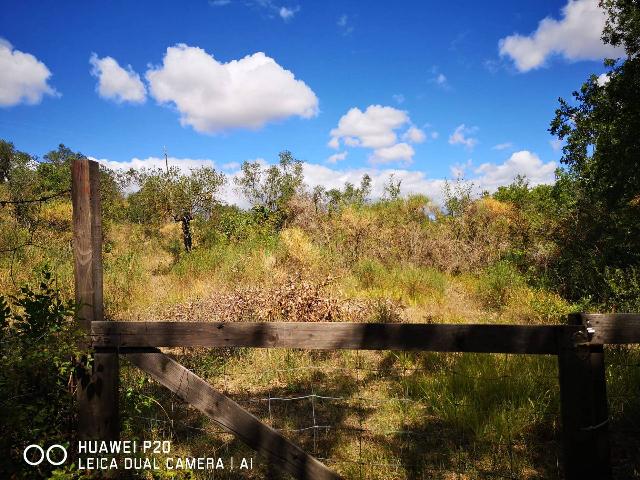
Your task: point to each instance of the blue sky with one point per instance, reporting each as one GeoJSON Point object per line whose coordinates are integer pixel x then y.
{"type": "Point", "coordinates": [441, 88]}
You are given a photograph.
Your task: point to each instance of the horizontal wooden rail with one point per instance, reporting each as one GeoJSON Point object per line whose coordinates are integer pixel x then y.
{"type": "Point", "coordinates": [612, 328]}
{"type": "Point", "coordinates": [540, 339]}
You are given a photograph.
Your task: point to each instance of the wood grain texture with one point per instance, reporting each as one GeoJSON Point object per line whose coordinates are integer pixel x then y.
{"type": "Point", "coordinates": [97, 393]}
{"type": "Point", "coordinates": [96, 240]}
{"type": "Point", "coordinates": [192, 389]}
{"type": "Point", "coordinates": [541, 339]}
{"type": "Point", "coordinates": [82, 246]}
{"type": "Point", "coordinates": [613, 328]}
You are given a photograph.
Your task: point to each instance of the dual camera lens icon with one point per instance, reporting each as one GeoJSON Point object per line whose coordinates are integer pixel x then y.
{"type": "Point", "coordinates": [46, 454]}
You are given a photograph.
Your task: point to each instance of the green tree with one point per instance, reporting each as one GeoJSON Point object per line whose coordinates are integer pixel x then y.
{"type": "Point", "coordinates": [392, 187]}
{"type": "Point", "coordinates": [457, 197]}
{"type": "Point", "coordinates": [271, 187]}
{"type": "Point", "coordinates": [172, 195]}
{"type": "Point", "coordinates": [349, 195]}
{"type": "Point", "coordinates": [352, 195]}
{"type": "Point", "coordinates": [54, 171]}
{"type": "Point", "coordinates": [9, 159]}
{"type": "Point", "coordinates": [19, 182]}
{"type": "Point", "coordinates": [602, 156]}
{"type": "Point", "coordinates": [24, 178]}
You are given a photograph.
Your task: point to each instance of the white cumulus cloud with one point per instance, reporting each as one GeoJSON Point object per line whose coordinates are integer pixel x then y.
{"type": "Point", "coordinates": [576, 36]}
{"type": "Point", "coordinates": [373, 128]}
{"type": "Point", "coordinates": [184, 164]}
{"type": "Point", "coordinates": [490, 175]}
{"type": "Point", "coordinates": [400, 152]}
{"type": "Point", "coordinates": [116, 83]}
{"type": "Point", "coordinates": [603, 79]}
{"type": "Point", "coordinates": [231, 166]}
{"type": "Point", "coordinates": [23, 78]}
{"type": "Point", "coordinates": [458, 170]}
{"type": "Point", "coordinates": [212, 96]}
{"type": "Point", "coordinates": [461, 136]}
{"type": "Point", "coordinates": [377, 128]}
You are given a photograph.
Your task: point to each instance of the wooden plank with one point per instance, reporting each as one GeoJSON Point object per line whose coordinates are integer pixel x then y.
{"type": "Point", "coordinates": [97, 391]}
{"type": "Point", "coordinates": [613, 328]}
{"type": "Point", "coordinates": [583, 409]}
{"type": "Point", "coordinates": [106, 366]}
{"type": "Point", "coordinates": [188, 386]}
{"type": "Point", "coordinates": [328, 336]}
{"type": "Point", "coordinates": [82, 246]}
{"type": "Point", "coordinates": [96, 240]}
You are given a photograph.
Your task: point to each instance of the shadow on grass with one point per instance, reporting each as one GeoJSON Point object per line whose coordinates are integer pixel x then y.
{"type": "Point", "coordinates": [399, 416]}
{"type": "Point", "coordinates": [623, 387]}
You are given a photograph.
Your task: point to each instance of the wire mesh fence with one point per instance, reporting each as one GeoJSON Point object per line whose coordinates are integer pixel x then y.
{"type": "Point", "coordinates": [374, 415]}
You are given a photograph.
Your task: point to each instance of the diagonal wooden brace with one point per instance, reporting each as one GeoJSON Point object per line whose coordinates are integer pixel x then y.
{"type": "Point", "coordinates": [279, 451]}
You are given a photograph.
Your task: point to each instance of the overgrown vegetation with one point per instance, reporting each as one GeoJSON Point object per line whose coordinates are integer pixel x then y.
{"type": "Point", "coordinates": [172, 250]}
{"type": "Point", "coordinates": [38, 345]}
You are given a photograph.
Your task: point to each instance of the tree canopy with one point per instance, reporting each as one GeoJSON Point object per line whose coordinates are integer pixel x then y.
{"type": "Point", "coordinates": [601, 128]}
{"type": "Point", "coordinates": [171, 195]}
{"type": "Point", "coordinates": [271, 187]}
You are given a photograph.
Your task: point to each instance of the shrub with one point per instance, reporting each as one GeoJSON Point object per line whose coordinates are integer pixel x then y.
{"type": "Point", "coordinates": [497, 283]}
{"type": "Point", "coordinates": [622, 289]}
{"type": "Point", "coordinates": [369, 273]}
{"type": "Point", "coordinates": [38, 339]}
{"type": "Point", "coordinates": [420, 282]}
{"type": "Point", "coordinates": [298, 249]}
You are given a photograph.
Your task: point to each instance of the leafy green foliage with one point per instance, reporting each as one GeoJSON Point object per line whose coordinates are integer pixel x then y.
{"type": "Point", "coordinates": [623, 24]}
{"type": "Point", "coordinates": [600, 229]}
{"type": "Point", "coordinates": [170, 195]}
{"type": "Point", "coordinates": [457, 197]}
{"type": "Point", "coordinates": [496, 284]}
{"type": "Point", "coordinates": [272, 187]}
{"type": "Point", "coordinates": [38, 339]}
{"type": "Point", "coordinates": [229, 224]}
{"type": "Point", "coordinates": [622, 291]}
{"type": "Point", "coordinates": [10, 158]}
{"type": "Point", "coordinates": [349, 196]}
{"type": "Point", "coordinates": [392, 188]}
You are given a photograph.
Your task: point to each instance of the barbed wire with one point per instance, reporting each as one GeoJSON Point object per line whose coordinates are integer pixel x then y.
{"type": "Point", "coordinates": [34, 200]}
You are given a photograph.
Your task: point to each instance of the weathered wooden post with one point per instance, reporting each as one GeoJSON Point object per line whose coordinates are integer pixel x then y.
{"type": "Point", "coordinates": [97, 393]}
{"type": "Point", "coordinates": [583, 397]}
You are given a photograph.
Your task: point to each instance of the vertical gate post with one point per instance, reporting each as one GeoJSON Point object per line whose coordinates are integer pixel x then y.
{"type": "Point", "coordinates": [97, 393]}
{"type": "Point", "coordinates": [583, 397]}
